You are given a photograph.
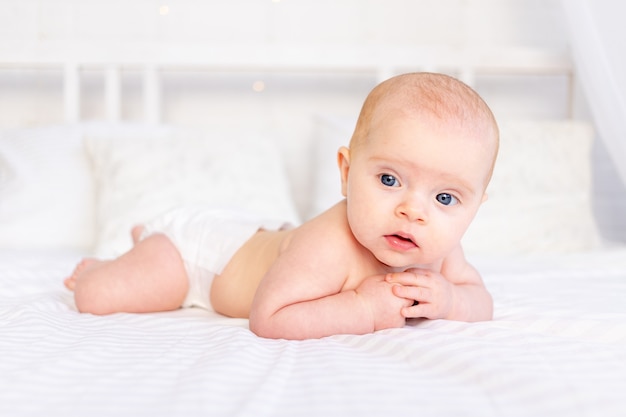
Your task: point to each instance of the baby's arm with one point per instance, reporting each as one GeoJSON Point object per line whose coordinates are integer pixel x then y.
{"type": "Point", "coordinates": [302, 296]}
{"type": "Point", "coordinates": [457, 292]}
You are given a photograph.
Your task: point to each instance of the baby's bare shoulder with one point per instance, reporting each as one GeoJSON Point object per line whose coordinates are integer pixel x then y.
{"type": "Point", "coordinates": [326, 236]}
{"type": "Point", "coordinates": [456, 268]}
{"type": "Point", "coordinates": [314, 260]}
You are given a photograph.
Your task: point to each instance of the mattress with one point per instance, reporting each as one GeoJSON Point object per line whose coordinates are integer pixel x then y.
{"type": "Point", "coordinates": [557, 345]}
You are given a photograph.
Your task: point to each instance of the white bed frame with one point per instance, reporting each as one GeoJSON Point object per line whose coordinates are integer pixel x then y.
{"type": "Point", "coordinates": [556, 346]}
{"type": "Point", "coordinates": [152, 58]}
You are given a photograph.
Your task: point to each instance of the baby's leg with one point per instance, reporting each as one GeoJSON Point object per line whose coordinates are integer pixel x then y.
{"type": "Point", "coordinates": [150, 277]}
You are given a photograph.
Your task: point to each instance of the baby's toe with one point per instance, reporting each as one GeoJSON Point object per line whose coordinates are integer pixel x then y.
{"type": "Point", "coordinates": [70, 283]}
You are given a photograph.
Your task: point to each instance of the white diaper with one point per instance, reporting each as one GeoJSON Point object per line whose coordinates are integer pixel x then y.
{"type": "Point", "coordinates": [206, 237]}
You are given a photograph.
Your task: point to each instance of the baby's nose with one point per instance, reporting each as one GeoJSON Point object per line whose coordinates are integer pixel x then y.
{"type": "Point", "coordinates": [414, 210]}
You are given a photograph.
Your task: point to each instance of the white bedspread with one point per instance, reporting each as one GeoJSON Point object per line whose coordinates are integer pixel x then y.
{"type": "Point", "coordinates": [557, 347]}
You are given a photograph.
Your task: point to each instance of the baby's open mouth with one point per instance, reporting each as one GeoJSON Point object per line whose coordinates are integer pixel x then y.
{"type": "Point", "coordinates": [401, 242]}
{"type": "Point", "coordinates": [406, 239]}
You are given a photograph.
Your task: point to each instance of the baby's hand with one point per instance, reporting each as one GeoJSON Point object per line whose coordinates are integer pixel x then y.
{"type": "Point", "coordinates": [386, 307]}
{"type": "Point", "coordinates": [434, 294]}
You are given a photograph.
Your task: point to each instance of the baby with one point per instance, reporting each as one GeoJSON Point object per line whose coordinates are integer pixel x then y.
{"type": "Point", "coordinates": [413, 178]}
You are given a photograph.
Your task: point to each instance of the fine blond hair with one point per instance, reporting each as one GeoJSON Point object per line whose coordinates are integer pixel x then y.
{"type": "Point", "coordinates": [424, 93]}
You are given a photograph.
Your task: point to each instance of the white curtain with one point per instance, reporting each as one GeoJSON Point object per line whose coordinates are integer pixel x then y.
{"type": "Point", "coordinates": [598, 40]}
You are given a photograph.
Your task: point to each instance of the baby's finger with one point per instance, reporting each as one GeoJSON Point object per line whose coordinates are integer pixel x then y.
{"type": "Point", "coordinates": [421, 310]}
{"type": "Point", "coordinates": [419, 271]}
{"type": "Point", "coordinates": [420, 294]}
{"type": "Point", "coordinates": [407, 278]}
{"type": "Point", "coordinates": [415, 311]}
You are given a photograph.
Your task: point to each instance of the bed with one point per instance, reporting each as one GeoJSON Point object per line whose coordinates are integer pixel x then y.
{"type": "Point", "coordinates": [557, 344]}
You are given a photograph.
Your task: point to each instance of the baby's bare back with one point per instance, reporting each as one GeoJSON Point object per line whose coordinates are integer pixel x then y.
{"type": "Point", "coordinates": [233, 290]}
{"type": "Point", "coordinates": [323, 246]}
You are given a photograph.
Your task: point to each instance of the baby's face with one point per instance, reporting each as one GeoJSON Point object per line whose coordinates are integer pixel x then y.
{"type": "Point", "coordinates": [414, 186]}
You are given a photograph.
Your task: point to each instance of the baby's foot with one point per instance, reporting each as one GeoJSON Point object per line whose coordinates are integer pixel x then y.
{"type": "Point", "coordinates": [136, 233]}
{"type": "Point", "coordinates": [83, 265]}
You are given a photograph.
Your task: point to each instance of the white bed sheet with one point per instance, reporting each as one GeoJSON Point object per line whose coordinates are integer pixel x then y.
{"type": "Point", "coordinates": [557, 346]}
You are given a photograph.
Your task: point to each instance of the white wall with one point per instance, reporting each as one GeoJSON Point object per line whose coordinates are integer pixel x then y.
{"type": "Point", "coordinates": [457, 23]}
{"type": "Point", "coordinates": [597, 36]}
{"type": "Point", "coordinates": [288, 102]}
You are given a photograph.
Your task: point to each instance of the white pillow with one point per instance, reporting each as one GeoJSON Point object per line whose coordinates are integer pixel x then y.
{"type": "Point", "coordinates": [331, 132]}
{"type": "Point", "coordinates": [142, 172]}
{"type": "Point", "coordinates": [46, 189]}
{"type": "Point", "coordinates": [540, 193]}
{"type": "Point", "coordinates": [539, 197]}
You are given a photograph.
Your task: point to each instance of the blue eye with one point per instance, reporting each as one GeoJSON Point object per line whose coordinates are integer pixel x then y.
{"type": "Point", "coordinates": [447, 199]}
{"type": "Point", "coordinates": [389, 180]}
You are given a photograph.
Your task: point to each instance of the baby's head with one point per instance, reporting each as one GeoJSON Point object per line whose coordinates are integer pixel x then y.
{"type": "Point", "coordinates": [436, 99]}
{"type": "Point", "coordinates": [418, 165]}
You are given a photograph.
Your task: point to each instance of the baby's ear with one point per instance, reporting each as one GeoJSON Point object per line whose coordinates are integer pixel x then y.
{"type": "Point", "coordinates": [343, 160]}
{"type": "Point", "coordinates": [485, 197]}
